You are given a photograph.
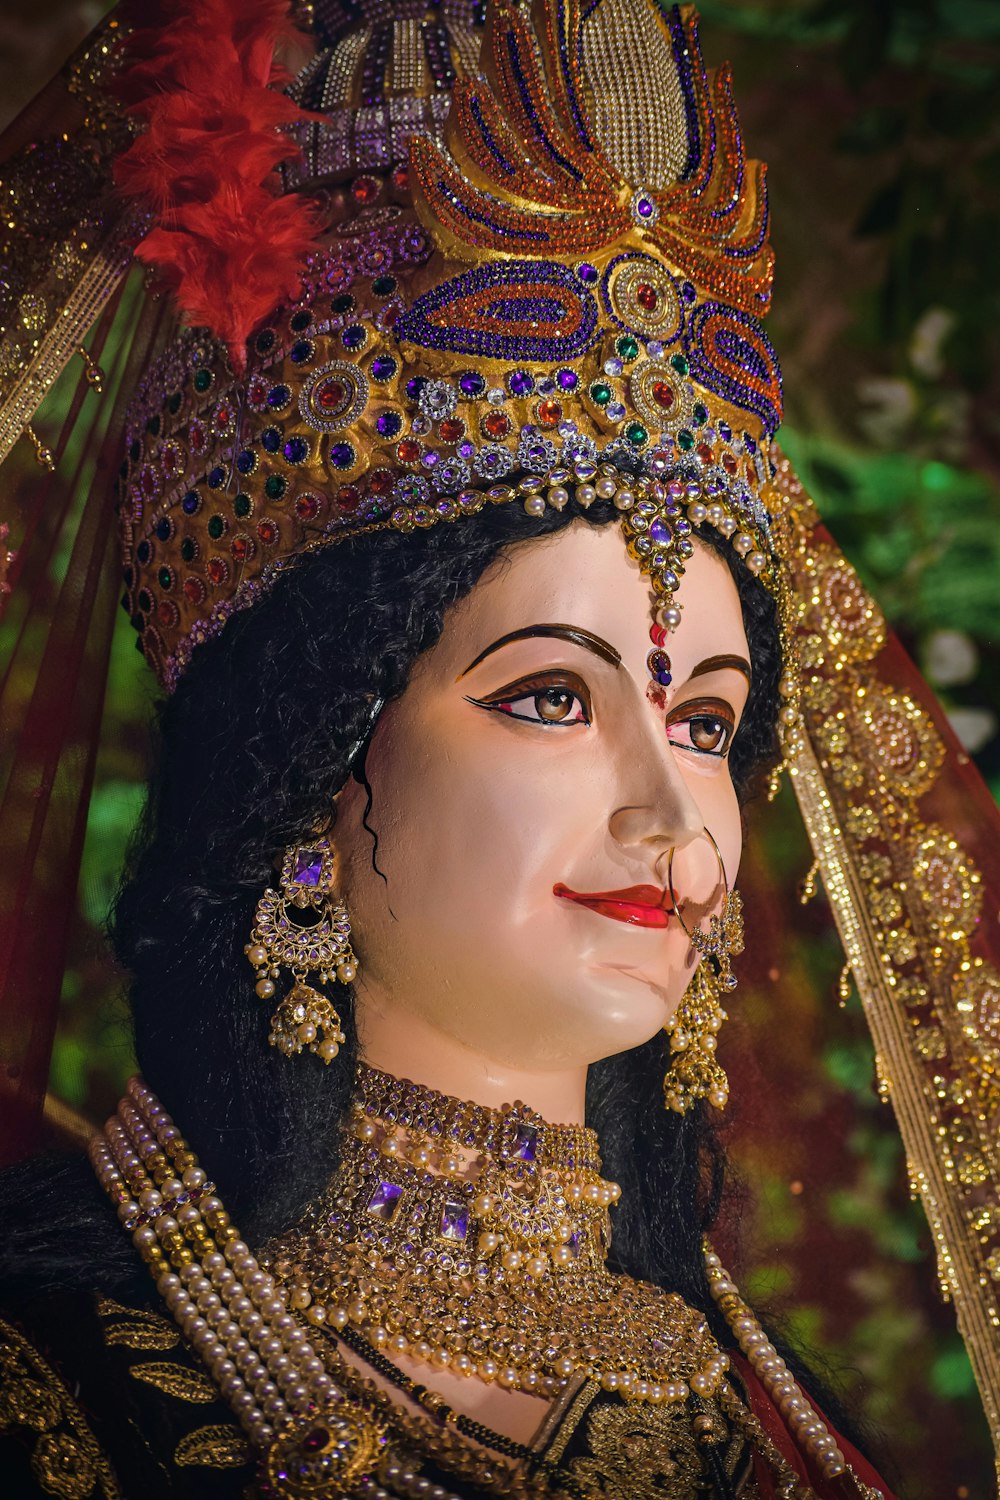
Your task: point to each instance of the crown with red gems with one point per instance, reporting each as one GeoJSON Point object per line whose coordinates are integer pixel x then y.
{"type": "Point", "coordinates": [550, 292]}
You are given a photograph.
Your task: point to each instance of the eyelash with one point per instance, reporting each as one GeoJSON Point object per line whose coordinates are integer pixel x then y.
{"type": "Point", "coordinates": [529, 688]}
{"type": "Point", "coordinates": [696, 713]}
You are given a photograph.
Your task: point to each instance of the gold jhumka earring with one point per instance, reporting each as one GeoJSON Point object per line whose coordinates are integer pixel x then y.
{"type": "Point", "coordinates": [695, 1072]}
{"type": "Point", "coordinates": [302, 926]}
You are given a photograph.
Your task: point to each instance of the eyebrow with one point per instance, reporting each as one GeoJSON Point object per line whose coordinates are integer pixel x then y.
{"type": "Point", "coordinates": [572, 633]}
{"type": "Point", "coordinates": [718, 663]}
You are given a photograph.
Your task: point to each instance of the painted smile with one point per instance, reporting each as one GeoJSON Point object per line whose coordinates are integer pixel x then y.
{"type": "Point", "coordinates": [639, 905]}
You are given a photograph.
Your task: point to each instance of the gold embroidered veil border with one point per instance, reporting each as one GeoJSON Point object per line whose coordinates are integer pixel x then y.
{"type": "Point", "coordinates": [905, 835]}
{"type": "Point", "coordinates": [67, 240]}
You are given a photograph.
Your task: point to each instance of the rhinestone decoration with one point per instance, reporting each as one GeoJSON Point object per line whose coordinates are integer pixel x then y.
{"type": "Point", "coordinates": [335, 397]}
{"type": "Point", "coordinates": [662, 396]}
{"type": "Point", "coordinates": [562, 323]}
{"type": "Point", "coordinates": [640, 294]}
{"type": "Point", "coordinates": [644, 209]}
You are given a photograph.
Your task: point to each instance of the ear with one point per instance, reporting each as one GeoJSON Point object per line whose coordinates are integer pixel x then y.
{"type": "Point", "coordinates": [336, 866]}
{"type": "Point", "coordinates": [329, 835]}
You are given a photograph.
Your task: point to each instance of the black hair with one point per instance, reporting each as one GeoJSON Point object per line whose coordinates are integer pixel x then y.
{"type": "Point", "coordinates": [254, 746]}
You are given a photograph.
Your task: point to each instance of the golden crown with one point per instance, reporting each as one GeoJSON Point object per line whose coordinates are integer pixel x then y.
{"type": "Point", "coordinates": [557, 293]}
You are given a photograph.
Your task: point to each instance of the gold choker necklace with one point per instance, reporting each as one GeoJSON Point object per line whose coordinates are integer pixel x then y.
{"type": "Point", "coordinates": [476, 1240]}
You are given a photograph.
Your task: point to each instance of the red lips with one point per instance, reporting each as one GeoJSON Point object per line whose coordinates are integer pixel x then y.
{"type": "Point", "coordinates": [640, 905]}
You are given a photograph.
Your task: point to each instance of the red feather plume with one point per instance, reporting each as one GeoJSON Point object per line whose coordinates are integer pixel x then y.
{"type": "Point", "coordinates": [199, 77]}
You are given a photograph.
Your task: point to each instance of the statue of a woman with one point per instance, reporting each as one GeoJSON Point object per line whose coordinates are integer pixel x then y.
{"type": "Point", "coordinates": [483, 599]}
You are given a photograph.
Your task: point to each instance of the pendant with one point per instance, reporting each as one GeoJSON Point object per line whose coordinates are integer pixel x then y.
{"type": "Point", "coordinates": [325, 1455]}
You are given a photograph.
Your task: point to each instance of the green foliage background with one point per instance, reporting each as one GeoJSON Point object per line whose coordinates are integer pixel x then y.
{"type": "Point", "coordinates": [879, 123]}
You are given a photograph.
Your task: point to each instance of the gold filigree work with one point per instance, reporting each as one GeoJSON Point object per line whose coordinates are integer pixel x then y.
{"type": "Point", "coordinates": [978, 1004]}
{"type": "Point", "coordinates": [65, 241]}
{"type": "Point", "coordinates": [947, 884]}
{"type": "Point", "coordinates": [217, 1446]}
{"type": "Point", "coordinates": [174, 1380]}
{"type": "Point", "coordinates": [902, 743]}
{"type": "Point", "coordinates": [136, 1329]}
{"type": "Point", "coordinates": [640, 1454]}
{"type": "Point", "coordinates": [513, 1229]}
{"type": "Point", "coordinates": [846, 617]}
{"type": "Point", "coordinates": [66, 1459]}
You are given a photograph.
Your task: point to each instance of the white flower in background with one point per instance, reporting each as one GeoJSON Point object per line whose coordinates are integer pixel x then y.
{"type": "Point", "coordinates": [975, 727]}
{"type": "Point", "coordinates": [925, 342]}
{"type": "Point", "coordinates": [950, 658]}
{"type": "Point", "coordinates": [890, 406]}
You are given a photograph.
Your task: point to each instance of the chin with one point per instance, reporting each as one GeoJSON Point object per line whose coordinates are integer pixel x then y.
{"type": "Point", "coordinates": [625, 1007]}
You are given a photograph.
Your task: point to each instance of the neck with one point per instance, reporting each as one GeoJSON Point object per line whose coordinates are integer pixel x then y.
{"type": "Point", "coordinates": [396, 1120]}
{"type": "Point", "coordinates": [530, 1319]}
{"type": "Point", "coordinates": [408, 1046]}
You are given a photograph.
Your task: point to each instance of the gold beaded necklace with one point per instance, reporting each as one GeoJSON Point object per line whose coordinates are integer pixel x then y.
{"type": "Point", "coordinates": [475, 1240]}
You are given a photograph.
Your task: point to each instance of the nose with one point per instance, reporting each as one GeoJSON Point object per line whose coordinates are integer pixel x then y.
{"type": "Point", "coordinates": [655, 811]}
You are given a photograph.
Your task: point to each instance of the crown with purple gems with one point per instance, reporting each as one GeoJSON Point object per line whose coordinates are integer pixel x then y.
{"type": "Point", "coordinates": [557, 296]}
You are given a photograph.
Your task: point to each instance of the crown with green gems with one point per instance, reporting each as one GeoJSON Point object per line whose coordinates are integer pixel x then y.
{"type": "Point", "coordinates": [555, 296]}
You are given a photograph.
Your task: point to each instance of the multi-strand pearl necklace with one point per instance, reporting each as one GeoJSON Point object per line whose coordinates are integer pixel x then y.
{"type": "Point", "coordinates": [799, 1415]}
{"type": "Point", "coordinates": [308, 1428]}
{"type": "Point", "coordinates": [229, 1309]}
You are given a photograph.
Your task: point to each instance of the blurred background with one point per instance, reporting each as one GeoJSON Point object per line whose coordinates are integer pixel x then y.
{"type": "Point", "coordinates": [878, 120]}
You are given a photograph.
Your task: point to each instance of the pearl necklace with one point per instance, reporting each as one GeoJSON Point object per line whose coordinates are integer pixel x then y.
{"type": "Point", "coordinates": [228, 1308]}
{"type": "Point", "coordinates": [312, 1433]}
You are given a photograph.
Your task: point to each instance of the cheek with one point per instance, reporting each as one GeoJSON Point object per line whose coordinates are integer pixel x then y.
{"type": "Point", "coordinates": [715, 797]}
{"type": "Point", "coordinates": [477, 833]}
{"type": "Point", "coordinates": [475, 828]}
{"type": "Point", "coordinates": [720, 810]}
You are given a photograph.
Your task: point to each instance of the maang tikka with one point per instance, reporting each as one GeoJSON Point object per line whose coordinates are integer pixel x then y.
{"type": "Point", "coordinates": [695, 1072]}
{"type": "Point", "coordinates": [301, 926]}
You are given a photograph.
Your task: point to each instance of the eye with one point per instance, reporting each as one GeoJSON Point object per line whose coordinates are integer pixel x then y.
{"type": "Point", "coordinates": [554, 706]}
{"type": "Point", "coordinates": [708, 733]}
{"type": "Point", "coordinates": [543, 700]}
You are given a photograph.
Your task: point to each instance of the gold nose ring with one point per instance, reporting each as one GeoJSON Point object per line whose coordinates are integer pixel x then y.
{"type": "Point", "coordinates": [725, 934]}
{"type": "Point", "coordinates": [670, 879]}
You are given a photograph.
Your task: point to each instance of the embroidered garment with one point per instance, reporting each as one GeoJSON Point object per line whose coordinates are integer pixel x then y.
{"type": "Point", "coordinates": [100, 1400]}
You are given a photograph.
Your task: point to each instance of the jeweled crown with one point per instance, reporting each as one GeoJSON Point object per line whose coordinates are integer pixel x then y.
{"type": "Point", "coordinates": [558, 284]}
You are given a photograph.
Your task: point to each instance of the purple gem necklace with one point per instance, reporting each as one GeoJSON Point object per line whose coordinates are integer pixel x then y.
{"type": "Point", "coordinates": [476, 1240]}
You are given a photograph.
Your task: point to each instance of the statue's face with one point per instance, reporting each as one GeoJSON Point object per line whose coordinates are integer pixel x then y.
{"type": "Point", "coordinates": [530, 762]}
